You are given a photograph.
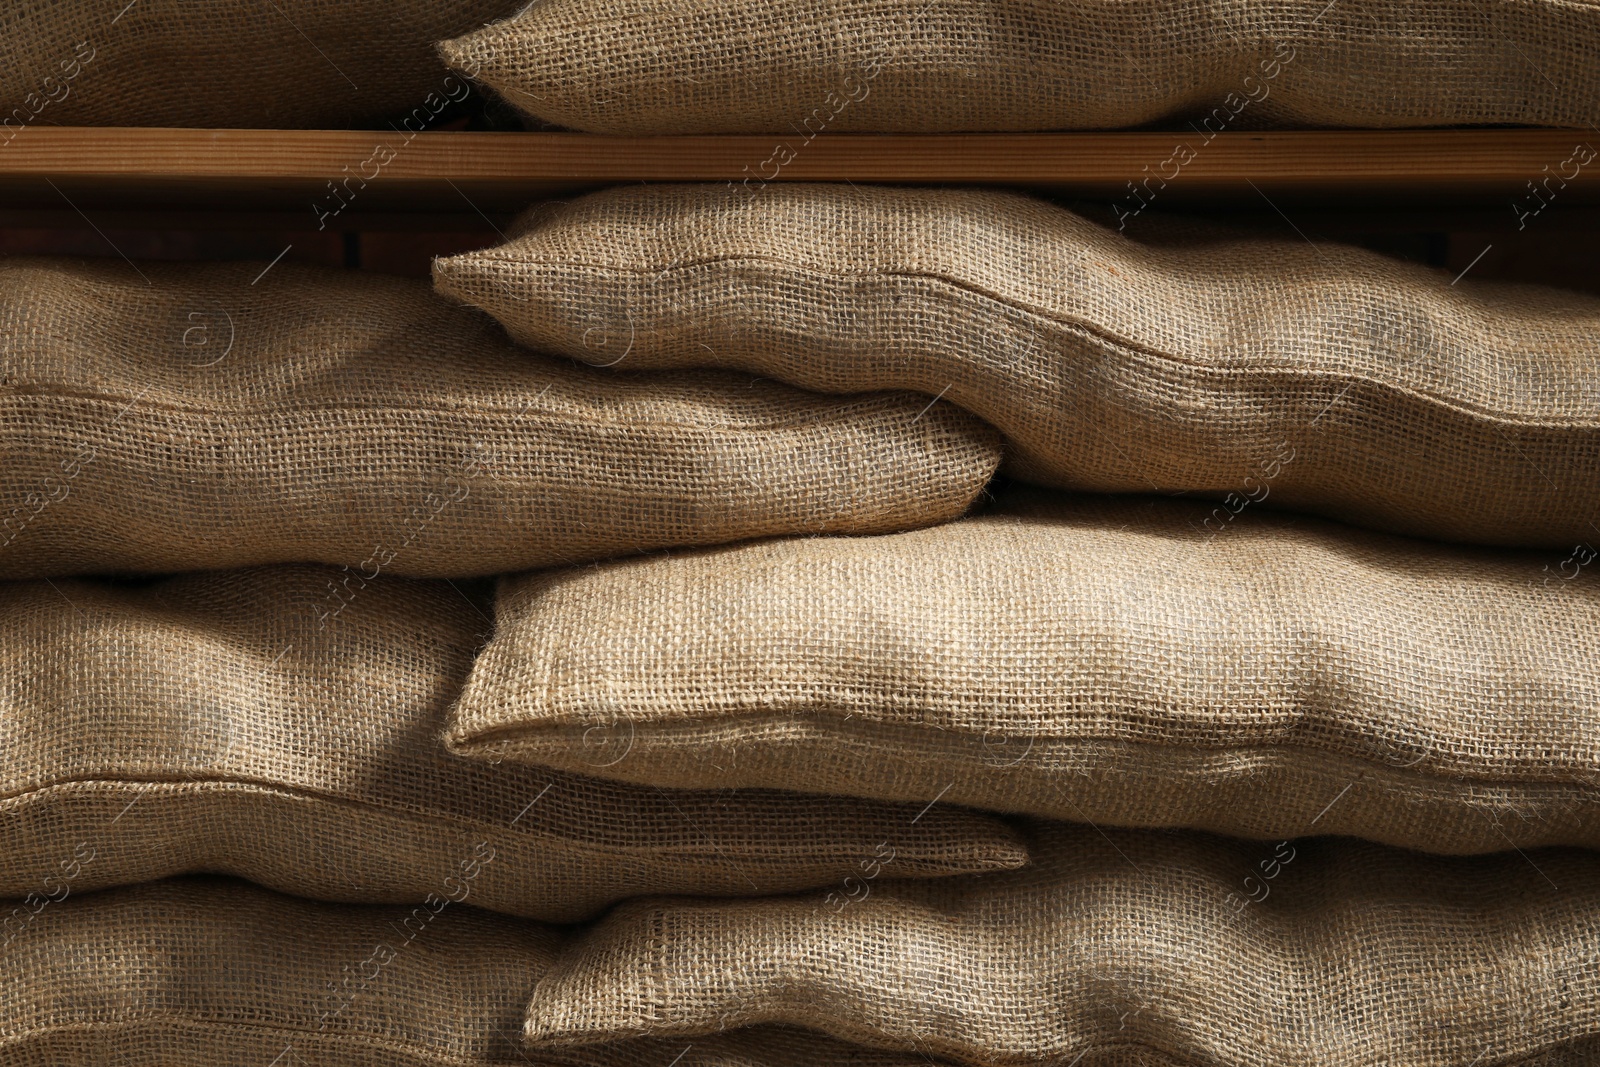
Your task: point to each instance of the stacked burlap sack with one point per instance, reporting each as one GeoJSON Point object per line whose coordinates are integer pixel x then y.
{"type": "Point", "coordinates": [1321, 378]}
{"type": "Point", "coordinates": [799, 68]}
{"type": "Point", "coordinates": [782, 736]}
{"type": "Point", "coordinates": [1132, 673]}
{"type": "Point", "coordinates": [332, 457]}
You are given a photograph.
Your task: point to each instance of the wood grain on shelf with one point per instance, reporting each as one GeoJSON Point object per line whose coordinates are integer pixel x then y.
{"type": "Point", "coordinates": [497, 172]}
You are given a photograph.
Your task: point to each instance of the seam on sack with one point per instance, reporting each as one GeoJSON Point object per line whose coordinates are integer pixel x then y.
{"type": "Point", "coordinates": [1096, 334]}
{"type": "Point", "coordinates": [199, 1022]}
{"type": "Point", "coordinates": [425, 816]}
{"type": "Point", "coordinates": [509, 737]}
{"type": "Point", "coordinates": [655, 973]}
{"type": "Point", "coordinates": [844, 405]}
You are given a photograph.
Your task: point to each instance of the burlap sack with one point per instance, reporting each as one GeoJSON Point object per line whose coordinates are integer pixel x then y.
{"type": "Point", "coordinates": [1465, 412]}
{"type": "Point", "coordinates": [283, 725]}
{"type": "Point", "coordinates": [1119, 660]}
{"type": "Point", "coordinates": [800, 68]}
{"type": "Point", "coordinates": [1183, 947]}
{"type": "Point", "coordinates": [222, 417]}
{"type": "Point", "coordinates": [283, 63]}
{"type": "Point", "coordinates": [200, 972]}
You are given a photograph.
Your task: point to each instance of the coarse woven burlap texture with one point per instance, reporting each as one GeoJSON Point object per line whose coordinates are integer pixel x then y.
{"type": "Point", "coordinates": [258, 64]}
{"type": "Point", "coordinates": [283, 725]}
{"type": "Point", "coordinates": [221, 417]}
{"type": "Point", "coordinates": [800, 68]}
{"type": "Point", "coordinates": [1464, 412]}
{"type": "Point", "coordinates": [1202, 951]}
{"type": "Point", "coordinates": [208, 972]}
{"type": "Point", "coordinates": [1120, 660]}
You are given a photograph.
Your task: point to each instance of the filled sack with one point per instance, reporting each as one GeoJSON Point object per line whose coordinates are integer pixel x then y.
{"type": "Point", "coordinates": [213, 415]}
{"type": "Point", "coordinates": [1127, 947]}
{"type": "Point", "coordinates": [208, 972]}
{"type": "Point", "coordinates": [283, 725]}
{"type": "Point", "coordinates": [801, 68]}
{"type": "Point", "coordinates": [283, 64]}
{"type": "Point", "coordinates": [1117, 660]}
{"type": "Point", "coordinates": [1327, 379]}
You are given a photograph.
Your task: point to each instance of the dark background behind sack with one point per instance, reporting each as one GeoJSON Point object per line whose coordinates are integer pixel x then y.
{"type": "Point", "coordinates": [1555, 252]}
{"type": "Point", "coordinates": [260, 64]}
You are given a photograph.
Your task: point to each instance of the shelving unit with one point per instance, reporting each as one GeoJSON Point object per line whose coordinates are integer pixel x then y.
{"type": "Point", "coordinates": [1439, 195]}
{"type": "Point", "coordinates": [503, 171]}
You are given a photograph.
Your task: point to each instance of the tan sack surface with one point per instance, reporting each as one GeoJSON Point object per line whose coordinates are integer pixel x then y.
{"type": "Point", "coordinates": [1120, 660]}
{"type": "Point", "coordinates": [222, 417]}
{"type": "Point", "coordinates": [205, 972]}
{"type": "Point", "coordinates": [1189, 949]}
{"type": "Point", "coordinates": [802, 68]}
{"type": "Point", "coordinates": [1322, 378]}
{"type": "Point", "coordinates": [283, 725]}
{"type": "Point", "coordinates": [256, 64]}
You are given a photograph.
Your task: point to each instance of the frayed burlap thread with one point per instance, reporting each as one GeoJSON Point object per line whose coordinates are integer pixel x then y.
{"type": "Point", "coordinates": [1191, 949]}
{"type": "Point", "coordinates": [218, 63]}
{"type": "Point", "coordinates": [1126, 661]}
{"type": "Point", "coordinates": [208, 972]}
{"type": "Point", "coordinates": [1464, 412]}
{"type": "Point", "coordinates": [802, 68]}
{"type": "Point", "coordinates": [283, 725]}
{"type": "Point", "coordinates": [226, 416]}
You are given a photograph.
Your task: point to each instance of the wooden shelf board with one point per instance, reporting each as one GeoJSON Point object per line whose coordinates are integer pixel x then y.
{"type": "Point", "coordinates": [499, 172]}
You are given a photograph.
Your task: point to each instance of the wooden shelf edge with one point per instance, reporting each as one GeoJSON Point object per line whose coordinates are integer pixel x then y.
{"type": "Point", "coordinates": [317, 170]}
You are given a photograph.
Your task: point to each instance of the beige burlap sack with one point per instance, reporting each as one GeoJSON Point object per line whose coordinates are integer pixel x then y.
{"type": "Point", "coordinates": [220, 416]}
{"type": "Point", "coordinates": [1328, 379]}
{"type": "Point", "coordinates": [283, 63]}
{"type": "Point", "coordinates": [1129, 947]}
{"type": "Point", "coordinates": [1400, 400]}
{"type": "Point", "coordinates": [801, 68]}
{"type": "Point", "coordinates": [1119, 660]}
{"type": "Point", "coordinates": [282, 724]}
{"type": "Point", "coordinates": [201, 972]}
